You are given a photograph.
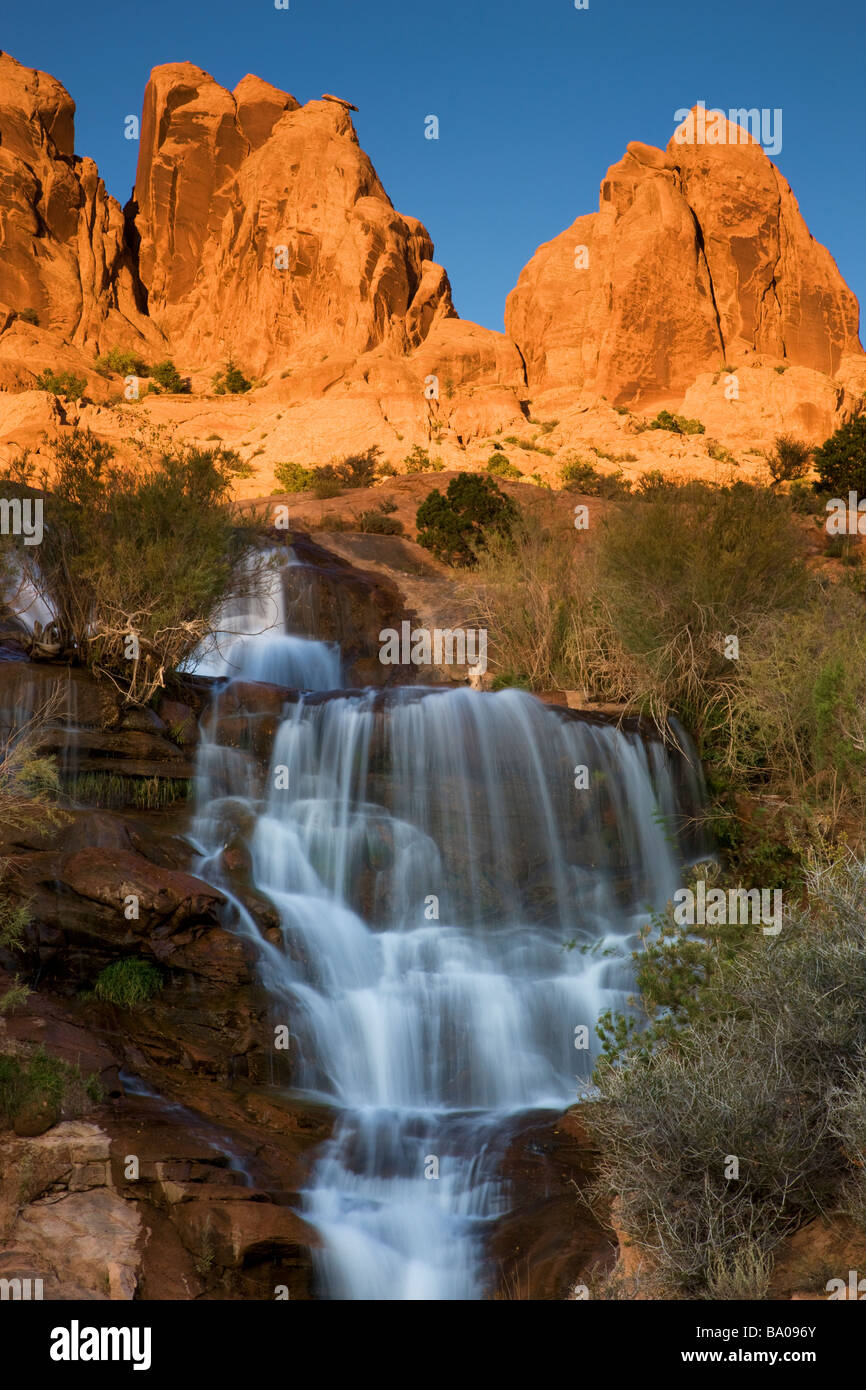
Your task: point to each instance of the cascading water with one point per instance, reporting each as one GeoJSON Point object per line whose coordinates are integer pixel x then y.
{"type": "Point", "coordinates": [455, 904]}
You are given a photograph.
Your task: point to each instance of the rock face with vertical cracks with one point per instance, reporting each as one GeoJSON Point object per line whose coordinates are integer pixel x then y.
{"type": "Point", "coordinates": [265, 229]}
{"type": "Point", "coordinates": [697, 257]}
{"type": "Point", "coordinates": [64, 257]}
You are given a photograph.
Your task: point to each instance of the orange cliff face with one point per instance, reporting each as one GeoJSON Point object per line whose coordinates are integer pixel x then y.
{"type": "Point", "coordinates": [265, 232]}
{"type": "Point", "coordinates": [64, 257]}
{"type": "Point", "coordinates": [258, 229]}
{"type": "Point", "coordinates": [697, 259]}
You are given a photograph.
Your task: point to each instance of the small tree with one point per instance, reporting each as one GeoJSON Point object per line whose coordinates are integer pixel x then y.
{"type": "Point", "coordinates": [65, 384]}
{"type": "Point", "coordinates": [230, 381]}
{"type": "Point", "coordinates": [841, 460]}
{"type": "Point", "coordinates": [455, 525]}
{"type": "Point", "coordinates": [789, 459]}
{"type": "Point", "coordinates": [167, 377]}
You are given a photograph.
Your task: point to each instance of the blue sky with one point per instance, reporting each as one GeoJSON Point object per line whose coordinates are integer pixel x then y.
{"type": "Point", "coordinates": [535, 99]}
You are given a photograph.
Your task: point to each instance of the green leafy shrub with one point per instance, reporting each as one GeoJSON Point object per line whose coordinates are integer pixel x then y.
{"type": "Point", "coordinates": [135, 559]}
{"type": "Point", "coordinates": [167, 377]}
{"type": "Point", "coordinates": [293, 477]}
{"type": "Point", "coordinates": [841, 460]}
{"type": "Point", "coordinates": [501, 467]}
{"type": "Point", "coordinates": [65, 384]}
{"type": "Point", "coordinates": [230, 381]}
{"type": "Point", "coordinates": [455, 526]}
{"type": "Point", "coordinates": [42, 1082]}
{"type": "Point", "coordinates": [128, 983]}
{"type": "Point", "coordinates": [418, 460]}
{"type": "Point", "coordinates": [677, 424]}
{"type": "Point", "coordinates": [378, 524]}
{"type": "Point", "coordinates": [577, 475]}
{"type": "Point", "coordinates": [763, 1070]}
{"type": "Point", "coordinates": [125, 361]}
{"type": "Point", "coordinates": [789, 460]}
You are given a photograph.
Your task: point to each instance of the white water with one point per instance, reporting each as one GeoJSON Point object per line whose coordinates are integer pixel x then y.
{"type": "Point", "coordinates": [430, 1034]}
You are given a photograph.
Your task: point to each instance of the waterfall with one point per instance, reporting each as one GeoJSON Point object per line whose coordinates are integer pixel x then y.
{"type": "Point", "coordinates": [459, 877]}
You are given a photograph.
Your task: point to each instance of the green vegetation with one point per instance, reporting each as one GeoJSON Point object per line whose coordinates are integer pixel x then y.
{"type": "Point", "coordinates": [789, 460]}
{"type": "Point", "coordinates": [841, 460]}
{"type": "Point", "coordinates": [460, 523]}
{"type": "Point", "coordinates": [754, 1061]}
{"type": "Point", "coordinates": [128, 983]}
{"type": "Point", "coordinates": [501, 467]}
{"type": "Point", "coordinates": [134, 560]}
{"type": "Point", "coordinates": [353, 471]}
{"type": "Point", "coordinates": [167, 377]}
{"type": "Point", "coordinates": [677, 424]}
{"type": "Point", "coordinates": [124, 361]}
{"type": "Point", "coordinates": [418, 460]}
{"type": "Point", "coordinates": [230, 381]}
{"type": "Point", "coordinates": [115, 789]}
{"type": "Point", "coordinates": [577, 475]}
{"type": "Point", "coordinates": [64, 384]}
{"type": "Point", "coordinates": [378, 523]}
{"type": "Point", "coordinates": [293, 477]}
{"type": "Point", "coordinates": [40, 1082]}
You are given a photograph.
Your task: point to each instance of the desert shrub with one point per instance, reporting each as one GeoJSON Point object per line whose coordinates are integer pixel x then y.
{"type": "Point", "coordinates": [501, 467]}
{"type": "Point", "coordinates": [675, 575]}
{"type": "Point", "coordinates": [764, 1071]}
{"type": "Point", "coordinates": [789, 459]}
{"type": "Point", "coordinates": [230, 381]}
{"type": "Point", "coordinates": [455, 526]}
{"type": "Point", "coordinates": [677, 424]}
{"type": "Point", "coordinates": [65, 384]}
{"type": "Point", "coordinates": [359, 470]}
{"type": "Point", "coordinates": [128, 983]}
{"type": "Point", "coordinates": [418, 460]}
{"type": "Point", "coordinates": [167, 377]}
{"type": "Point", "coordinates": [42, 1081]}
{"type": "Point", "coordinates": [293, 477]}
{"type": "Point", "coordinates": [326, 482]}
{"type": "Point", "coordinates": [719, 453]}
{"type": "Point", "coordinates": [376, 523]}
{"type": "Point", "coordinates": [28, 316]}
{"type": "Point", "coordinates": [841, 460]}
{"type": "Point", "coordinates": [526, 592]}
{"type": "Point", "coordinates": [577, 475]}
{"type": "Point", "coordinates": [125, 361]}
{"type": "Point", "coordinates": [134, 560]}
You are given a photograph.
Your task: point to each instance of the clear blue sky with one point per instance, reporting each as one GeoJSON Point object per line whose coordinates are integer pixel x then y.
{"type": "Point", "coordinates": [534, 97]}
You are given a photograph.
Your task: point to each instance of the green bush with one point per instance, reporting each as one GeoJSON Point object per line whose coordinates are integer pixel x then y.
{"type": "Point", "coordinates": [40, 1081]}
{"type": "Point", "coordinates": [577, 475]}
{"type": "Point", "coordinates": [677, 424]}
{"type": "Point", "coordinates": [378, 524]}
{"type": "Point", "coordinates": [137, 558]}
{"type": "Point", "coordinates": [124, 361]}
{"type": "Point", "coordinates": [167, 377]}
{"type": "Point", "coordinates": [418, 460]}
{"type": "Point", "coordinates": [64, 384]}
{"type": "Point", "coordinates": [128, 983]}
{"type": "Point", "coordinates": [789, 460]}
{"type": "Point", "coordinates": [456, 526]}
{"type": "Point", "coordinates": [293, 477]}
{"type": "Point", "coordinates": [765, 1069]}
{"type": "Point", "coordinates": [841, 460]}
{"type": "Point", "coordinates": [501, 467]}
{"type": "Point", "coordinates": [230, 381]}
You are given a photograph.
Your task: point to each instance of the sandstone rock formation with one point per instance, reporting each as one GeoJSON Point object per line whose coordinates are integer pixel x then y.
{"type": "Point", "coordinates": [265, 232]}
{"type": "Point", "coordinates": [64, 256]}
{"type": "Point", "coordinates": [698, 257]}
